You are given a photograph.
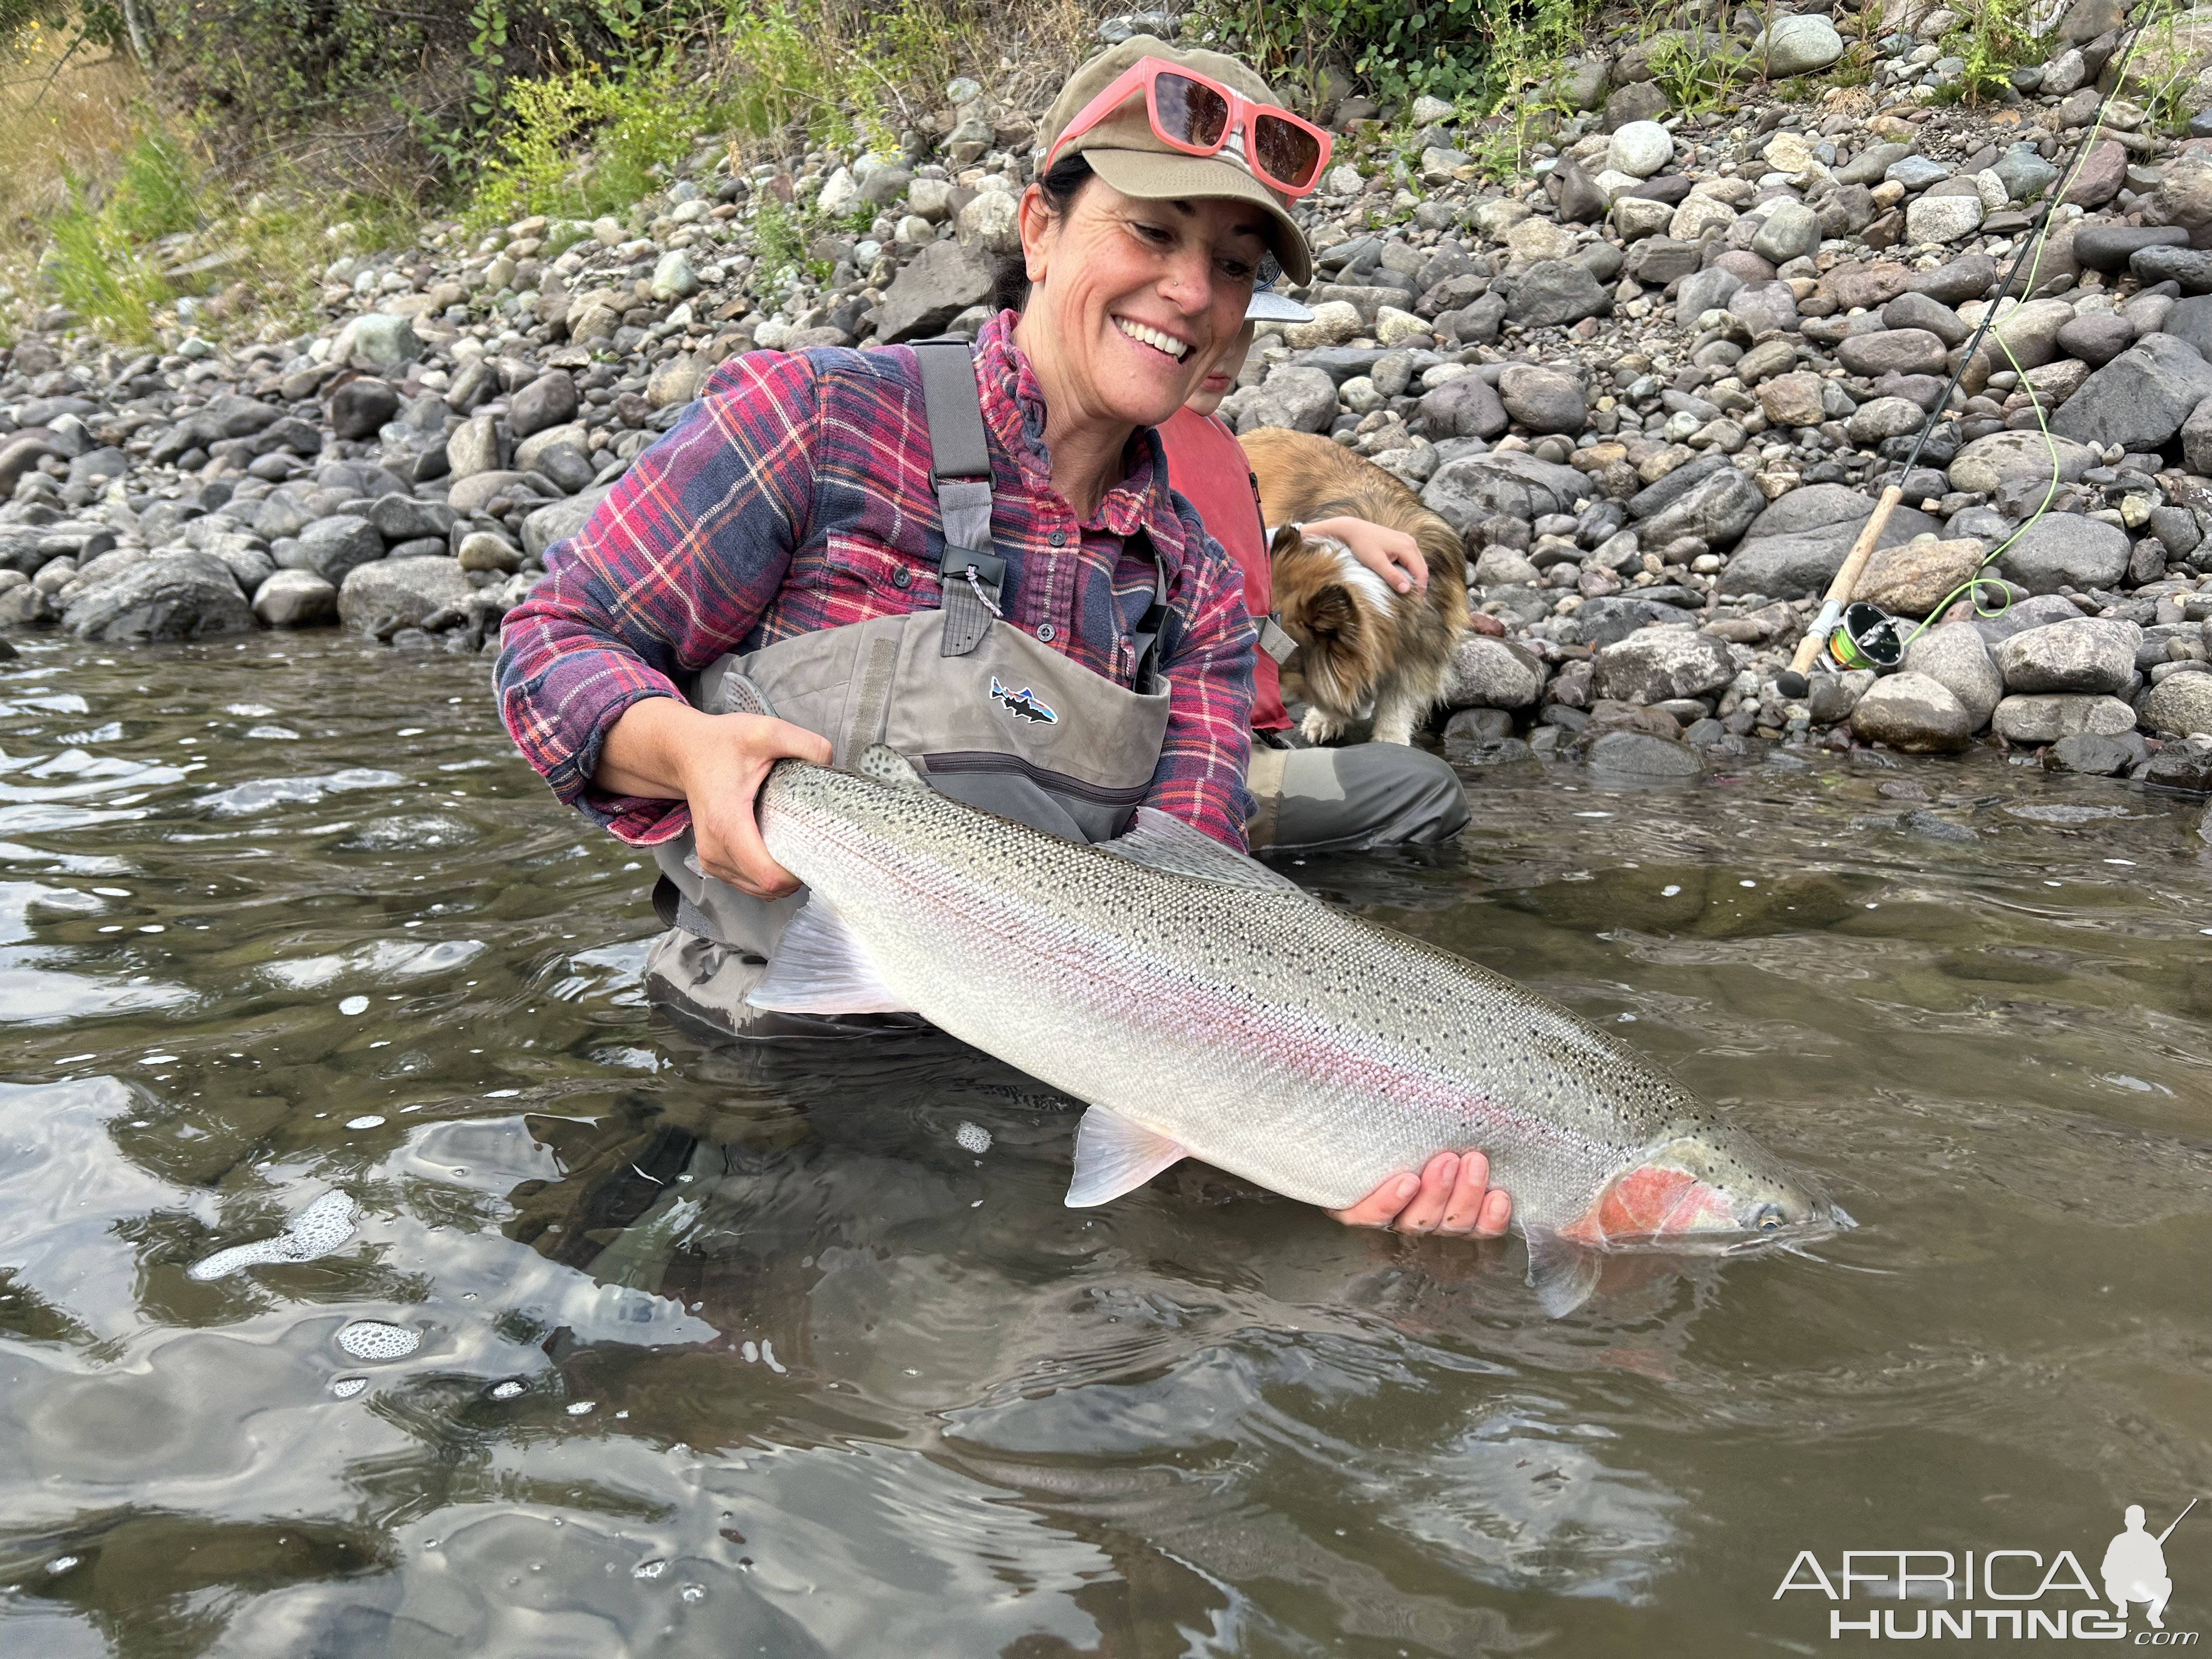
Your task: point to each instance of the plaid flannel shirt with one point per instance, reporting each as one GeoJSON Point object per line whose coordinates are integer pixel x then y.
{"type": "Point", "coordinates": [795, 495]}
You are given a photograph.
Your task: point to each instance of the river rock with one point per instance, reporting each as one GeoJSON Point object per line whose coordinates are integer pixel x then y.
{"type": "Point", "coordinates": [944, 279]}
{"type": "Point", "coordinates": [1942, 218]}
{"type": "Point", "coordinates": [335, 546]}
{"type": "Point", "coordinates": [2093, 754]}
{"type": "Point", "coordinates": [1716, 509]}
{"type": "Point", "coordinates": [1642, 755]}
{"type": "Point", "coordinates": [2067, 550]}
{"type": "Point", "coordinates": [1883, 417]}
{"type": "Point", "coordinates": [1656, 664]}
{"type": "Point", "coordinates": [296, 598]}
{"type": "Point", "coordinates": [1303, 399]}
{"type": "Point", "coordinates": [1790, 231]}
{"type": "Point", "coordinates": [403, 590]}
{"type": "Point", "coordinates": [2140, 399]}
{"type": "Point", "coordinates": [403, 519]}
{"type": "Point", "coordinates": [2090, 654]}
{"type": "Point", "coordinates": [171, 596]}
{"type": "Point", "coordinates": [1466, 491]}
{"type": "Point", "coordinates": [549, 400]}
{"type": "Point", "coordinates": [2179, 706]}
{"type": "Point", "coordinates": [1556, 291]}
{"type": "Point", "coordinates": [1985, 464]}
{"type": "Point", "coordinates": [1793, 399]}
{"type": "Point", "coordinates": [2097, 339]}
{"type": "Point", "coordinates": [1914, 712]}
{"type": "Point", "coordinates": [1541, 400]}
{"type": "Point", "coordinates": [1464, 408]}
{"type": "Point", "coordinates": [1893, 351]}
{"type": "Point", "coordinates": [1492, 673]}
{"type": "Point", "coordinates": [2108, 248]}
{"type": "Point", "coordinates": [1955, 655]}
{"type": "Point", "coordinates": [558, 521]}
{"type": "Point", "coordinates": [1640, 148]}
{"type": "Point", "coordinates": [361, 406]}
{"type": "Point", "coordinates": [1798, 45]}
{"type": "Point", "coordinates": [2045, 717]}
{"type": "Point", "coordinates": [1913, 579]}
{"type": "Point", "coordinates": [388, 342]}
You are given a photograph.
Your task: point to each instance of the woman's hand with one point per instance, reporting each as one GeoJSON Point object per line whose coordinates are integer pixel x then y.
{"type": "Point", "coordinates": [1452, 1194]}
{"type": "Point", "coordinates": [666, 749]}
{"type": "Point", "coordinates": [1390, 554]}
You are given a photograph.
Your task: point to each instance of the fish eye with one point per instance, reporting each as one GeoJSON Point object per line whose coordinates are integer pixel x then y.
{"type": "Point", "coordinates": [1768, 1219]}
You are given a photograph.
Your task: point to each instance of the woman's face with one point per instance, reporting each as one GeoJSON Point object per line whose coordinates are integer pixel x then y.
{"type": "Point", "coordinates": [1132, 301]}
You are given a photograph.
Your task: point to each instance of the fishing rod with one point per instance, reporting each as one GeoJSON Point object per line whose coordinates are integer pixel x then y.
{"type": "Point", "coordinates": [1861, 549]}
{"type": "Point", "coordinates": [2177, 1520]}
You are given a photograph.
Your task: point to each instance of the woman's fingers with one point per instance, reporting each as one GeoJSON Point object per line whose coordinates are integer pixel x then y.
{"type": "Point", "coordinates": [1426, 1212]}
{"type": "Point", "coordinates": [1380, 1207]}
{"type": "Point", "coordinates": [1452, 1194]}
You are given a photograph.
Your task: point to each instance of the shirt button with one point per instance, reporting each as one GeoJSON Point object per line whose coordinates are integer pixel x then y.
{"type": "Point", "coordinates": [1045, 632]}
{"type": "Point", "coordinates": [1057, 538]}
{"type": "Point", "coordinates": [901, 577]}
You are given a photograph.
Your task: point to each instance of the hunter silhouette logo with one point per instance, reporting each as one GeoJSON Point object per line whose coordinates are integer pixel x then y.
{"type": "Point", "coordinates": [2134, 1566]}
{"type": "Point", "coordinates": [1022, 705]}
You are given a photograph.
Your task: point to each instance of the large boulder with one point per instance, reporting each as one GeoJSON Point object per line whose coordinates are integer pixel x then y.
{"type": "Point", "coordinates": [2045, 717]}
{"type": "Point", "coordinates": [943, 281]}
{"type": "Point", "coordinates": [1489, 673]}
{"type": "Point", "coordinates": [296, 598]}
{"type": "Point", "coordinates": [2089, 653]}
{"type": "Point", "coordinates": [1913, 579]}
{"type": "Point", "coordinates": [1658, 664]}
{"type": "Point", "coordinates": [1716, 509]}
{"type": "Point", "coordinates": [2067, 550]}
{"type": "Point", "coordinates": [1914, 712]}
{"type": "Point", "coordinates": [1556, 291]}
{"type": "Point", "coordinates": [1798, 45]}
{"type": "Point", "coordinates": [1955, 655]}
{"type": "Point", "coordinates": [402, 590]}
{"type": "Point", "coordinates": [1513, 483]}
{"type": "Point", "coordinates": [334, 547]}
{"type": "Point", "coordinates": [548, 401]}
{"type": "Point", "coordinates": [558, 521]}
{"type": "Point", "coordinates": [2140, 399]}
{"type": "Point", "coordinates": [1464, 407]}
{"type": "Point", "coordinates": [1987, 463]}
{"type": "Point", "coordinates": [1303, 399]}
{"type": "Point", "coordinates": [2179, 706]}
{"type": "Point", "coordinates": [1542, 399]}
{"type": "Point", "coordinates": [170, 596]}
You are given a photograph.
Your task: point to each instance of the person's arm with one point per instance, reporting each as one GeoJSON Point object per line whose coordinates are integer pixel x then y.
{"type": "Point", "coordinates": [1390, 554]}
{"type": "Point", "coordinates": [672, 569]}
{"type": "Point", "coordinates": [1200, 775]}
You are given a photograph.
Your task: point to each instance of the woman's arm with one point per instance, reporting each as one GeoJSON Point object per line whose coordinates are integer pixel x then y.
{"type": "Point", "coordinates": [1390, 554]}
{"type": "Point", "coordinates": [674, 567]}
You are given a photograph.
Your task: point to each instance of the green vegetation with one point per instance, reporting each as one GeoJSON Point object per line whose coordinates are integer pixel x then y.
{"type": "Point", "coordinates": [1994, 40]}
{"type": "Point", "coordinates": [1467, 52]}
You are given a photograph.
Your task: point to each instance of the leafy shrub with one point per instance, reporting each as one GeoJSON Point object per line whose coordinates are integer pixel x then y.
{"type": "Point", "coordinates": [1463, 50]}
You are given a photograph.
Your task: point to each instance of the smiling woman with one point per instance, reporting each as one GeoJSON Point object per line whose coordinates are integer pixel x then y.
{"type": "Point", "coordinates": [839, 548]}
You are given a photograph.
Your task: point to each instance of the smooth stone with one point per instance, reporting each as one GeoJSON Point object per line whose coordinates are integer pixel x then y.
{"type": "Point", "coordinates": [2045, 717]}
{"type": "Point", "coordinates": [1914, 712]}
{"type": "Point", "coordinates": [1955, 655]}
{"type": "Point", "coordinates": [296, 598]}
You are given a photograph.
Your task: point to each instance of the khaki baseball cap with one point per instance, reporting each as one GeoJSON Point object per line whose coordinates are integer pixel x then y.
{"type": "Point", "coordinates": [1124, 151]}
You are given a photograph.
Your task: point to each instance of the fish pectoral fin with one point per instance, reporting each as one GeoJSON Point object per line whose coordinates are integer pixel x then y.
{"type": "Point", "coordinates": [820, 967]}
{"type": "Point", "coordinates": [884, 764]}
{"type": "Point", "coordinates": [1113, 1156]}
{"type": "Point", "coordinates": [1565, 1273]}
{"type": "Point", "coordinates": [1162, 841]}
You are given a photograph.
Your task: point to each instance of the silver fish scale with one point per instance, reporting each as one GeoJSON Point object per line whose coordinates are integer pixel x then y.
{"type": "Point", "coordinates": [1312, 1051]}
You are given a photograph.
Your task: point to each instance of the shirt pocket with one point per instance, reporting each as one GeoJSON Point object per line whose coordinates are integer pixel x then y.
{"type": "Point", "coordinates": [874, 578]}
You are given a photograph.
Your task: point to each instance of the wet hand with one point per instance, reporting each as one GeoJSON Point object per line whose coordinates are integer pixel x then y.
{"type": "Point", "coordinates": [716, 763]}
{"type": "Point", "coordinates": [1390, 554]}
{"type": "Point", "coordinates": [1452, 1194]}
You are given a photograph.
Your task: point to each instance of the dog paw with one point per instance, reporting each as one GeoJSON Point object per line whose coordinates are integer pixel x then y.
{"type": "Point", "coordinates": [1318, 728]}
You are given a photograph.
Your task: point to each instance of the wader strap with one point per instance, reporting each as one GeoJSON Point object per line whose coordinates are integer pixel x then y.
{"type": "Point", "coordinates": [1145, 641]}
{"type": "Point", "coordinates": [1275, 640]}
{"type": "Point", "coordinates": [972, 576]}
{"type": "Point", "coordinates": [1263, 778]}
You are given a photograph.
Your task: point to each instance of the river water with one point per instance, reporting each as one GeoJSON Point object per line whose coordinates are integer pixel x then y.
{"type": "Point", "coordinates": [587, 1341]}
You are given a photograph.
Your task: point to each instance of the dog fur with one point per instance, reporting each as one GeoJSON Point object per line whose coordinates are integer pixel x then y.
{"type": "Point", "coordinates": [1364, 648]}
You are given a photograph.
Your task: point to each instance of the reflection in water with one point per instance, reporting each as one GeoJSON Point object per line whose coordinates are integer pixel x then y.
{"type": "Point", "coordinates": [601, 1343]}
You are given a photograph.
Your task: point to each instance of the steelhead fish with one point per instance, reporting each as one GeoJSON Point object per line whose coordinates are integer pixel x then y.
{"type": "Point", "coordinates": [1207, 1007]}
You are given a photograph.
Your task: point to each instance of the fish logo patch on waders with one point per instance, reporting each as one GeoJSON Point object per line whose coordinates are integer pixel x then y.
{"type": "Point", "coordinates": [1022, 705]}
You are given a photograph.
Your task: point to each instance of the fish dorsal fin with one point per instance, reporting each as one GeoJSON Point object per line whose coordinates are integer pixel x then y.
{"type": "Point", "coordinates": [1565, 1273]}
{"type": "Point", "coordinates": [1161, 842]}
{"type": "Point", "coordinates": [821, 968]}
{"type": "Point", "coordinates": [1113, 1156]}
{"type": "Point", "coordinates": [882, 764]}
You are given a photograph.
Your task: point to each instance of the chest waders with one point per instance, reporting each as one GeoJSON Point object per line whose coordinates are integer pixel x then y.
{"type": "Point", "coordinates": [988, 714]}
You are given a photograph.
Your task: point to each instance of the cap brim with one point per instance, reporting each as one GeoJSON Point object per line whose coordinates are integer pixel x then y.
{"type": "Point", "coordinates": [1269, 306]}
{"type": "Point", "coordinates": [1167, 175]}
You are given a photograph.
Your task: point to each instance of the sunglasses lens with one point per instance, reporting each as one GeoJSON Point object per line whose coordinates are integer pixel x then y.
{"type": "Point", "coordinates": [1189, 110]}
{"type": "Point", "coordinates": [1286, 151]}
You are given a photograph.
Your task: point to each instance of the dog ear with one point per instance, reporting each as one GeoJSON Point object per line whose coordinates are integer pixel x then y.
{"type": "Point", "coordinates": [1288, 539]}
{"type": "Point", "coordinates": [1332, 613]}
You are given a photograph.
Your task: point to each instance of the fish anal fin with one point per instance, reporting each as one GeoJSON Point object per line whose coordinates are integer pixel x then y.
{"type": "Point", "coordinates": [1113, 1156]}
{"type": "Point", "coordinates": [1564, 1272]}
{"type": "Point", "coordinates": [820, 967]}
{"type": "Point", "coordinates": [1160, 841]}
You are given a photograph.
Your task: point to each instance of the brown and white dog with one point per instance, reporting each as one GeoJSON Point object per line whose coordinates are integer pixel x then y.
{"type": "Point", "coordinates": [1364, 648]}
